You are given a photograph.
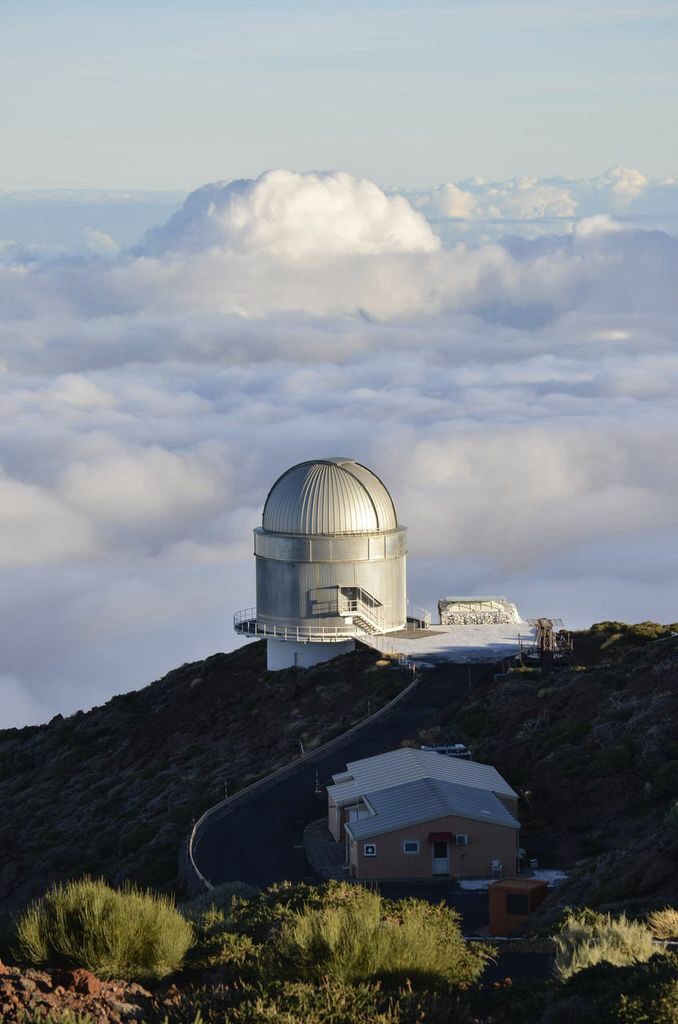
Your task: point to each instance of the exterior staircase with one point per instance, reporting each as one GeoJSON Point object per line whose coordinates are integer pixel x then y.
{"type": "Point", "coordinates": [364, 615]}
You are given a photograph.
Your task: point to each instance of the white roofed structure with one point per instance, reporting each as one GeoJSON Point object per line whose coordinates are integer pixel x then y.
{"type": "Point", "coordinates": [422, 800]}
{"type": "Point", "coordinates": [412, 813]}
{"type": "Point", "coordinates": [395, 767]}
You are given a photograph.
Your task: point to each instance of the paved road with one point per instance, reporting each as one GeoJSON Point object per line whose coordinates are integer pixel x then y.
{"type": "Point", "coordinates": [261, 841]}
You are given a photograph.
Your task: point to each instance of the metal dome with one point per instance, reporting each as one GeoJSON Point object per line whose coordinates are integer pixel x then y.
{"type": "Point", "coordinates": [329, 497]}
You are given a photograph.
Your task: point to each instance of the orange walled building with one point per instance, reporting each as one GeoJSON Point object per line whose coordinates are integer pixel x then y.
{"type": "Point", "coordinates": [419, 814]}
{"type": "Point", "coordinates": [512, 900]}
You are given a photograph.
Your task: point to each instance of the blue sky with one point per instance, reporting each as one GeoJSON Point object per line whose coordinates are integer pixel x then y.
{"type": "Point", "coordinates": [169, 95]}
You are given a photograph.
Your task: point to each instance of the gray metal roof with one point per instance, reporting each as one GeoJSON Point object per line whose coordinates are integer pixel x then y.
{"type": "Point", "coordinates": [329, 497]}
{"type": "Point", "coordinates": [382, 771]}
{"type": "Point", "coordinates": [425, 800]}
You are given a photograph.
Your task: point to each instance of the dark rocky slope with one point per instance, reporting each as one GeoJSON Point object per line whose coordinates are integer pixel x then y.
{"type": "Point", "coordinates": [114, 791]}
{"type": "Point", "coordinates": [593, 749]}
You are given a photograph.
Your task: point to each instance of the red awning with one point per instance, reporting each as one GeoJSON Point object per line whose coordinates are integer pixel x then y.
{"type": "Point", "coordinates": [439, 837]}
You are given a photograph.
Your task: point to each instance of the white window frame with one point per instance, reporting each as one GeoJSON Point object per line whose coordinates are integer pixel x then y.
{"type": "Point", "coordinates": [461, 839]}
{"type": "Point", "coordinates": [411, 842]}
{"type": "Point", "coordinates": [369, 849]}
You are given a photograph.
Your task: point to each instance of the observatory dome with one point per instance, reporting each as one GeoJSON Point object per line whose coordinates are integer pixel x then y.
{"type": "Point", "coordinates": [329, 497]}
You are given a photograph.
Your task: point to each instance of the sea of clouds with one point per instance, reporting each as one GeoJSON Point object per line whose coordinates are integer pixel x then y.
{"type": "Point", "coordinates": [504, 355]}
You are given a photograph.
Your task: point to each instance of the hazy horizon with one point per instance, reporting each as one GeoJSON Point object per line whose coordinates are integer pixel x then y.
{"type": "Point", "coordinates": [128, 94]}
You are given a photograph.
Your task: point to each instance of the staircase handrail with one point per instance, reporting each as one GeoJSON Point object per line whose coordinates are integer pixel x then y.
{"type": "Point", "coordinates": [356, 606]}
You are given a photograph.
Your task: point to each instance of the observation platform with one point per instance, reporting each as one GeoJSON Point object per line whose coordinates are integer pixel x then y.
{"type": "Point", "coordinates": [468, 643]}
{"type": "Point", "coordinates": [245, 623]}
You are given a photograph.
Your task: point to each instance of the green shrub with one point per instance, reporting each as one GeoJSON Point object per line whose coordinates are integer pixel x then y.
{"type": "Point", "coordinates": [657, 1007]}
{"type": "Point", "coordinates": [261, 915]}
{"type": "Point", "coordinates": [220, 897]}
{"type": "Point", "coordinates": [665, 781]}
{"type": "Point", "coordinates": [644, 993]}
{"type": "Point", "coordinates": [56, 1017]}
{"type": "Point", "coordinates": [125, 933]}
{"type": "Point", "coordinates": [664, 923]}
{"type": "Point", "coordinates": [327, 1003]}
{"type": "Point", "coordinates": [332, 1002]}
{"type": "Point", "coordinates": [356, 937]}
{"type": "Point", "coordinates": [217, 945]}
{"type": "Point", "coordinates": [587, 938]}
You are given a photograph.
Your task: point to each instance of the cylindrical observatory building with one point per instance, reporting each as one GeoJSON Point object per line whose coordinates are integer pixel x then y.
{"type": "Point", "coordinates": [330, 559]}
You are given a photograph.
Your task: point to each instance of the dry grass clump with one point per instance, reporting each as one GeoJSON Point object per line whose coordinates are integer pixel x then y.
{"type": "Point", "coordinates": [588, 938]}
{"type": "Point", "coordinates": [357, 937]}
{"type": "Point", "coordinates": [664, 923]}
{"type": "Point", "coordinates": [115, 933]}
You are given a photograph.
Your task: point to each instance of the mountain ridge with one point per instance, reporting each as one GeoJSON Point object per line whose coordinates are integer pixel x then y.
{"type": "Point", "coordinates": [113, 791]}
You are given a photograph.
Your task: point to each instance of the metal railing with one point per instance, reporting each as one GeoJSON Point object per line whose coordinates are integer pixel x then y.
{"type": "Point", "coordinates": [246, 623]}
{"type": "Point", "coordinates": [362, 610]}
{"type": "Point", "coordinates": [422, 615]}
{"type": "Point", "coordinates": [224, 806]}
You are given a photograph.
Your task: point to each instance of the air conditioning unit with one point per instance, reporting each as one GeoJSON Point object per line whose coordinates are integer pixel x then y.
{"type": "Point", "coordinates": [461, 839]}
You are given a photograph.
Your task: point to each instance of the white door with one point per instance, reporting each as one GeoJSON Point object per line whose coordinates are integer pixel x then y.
{"type": "Point", "coordinates": [441, 857]}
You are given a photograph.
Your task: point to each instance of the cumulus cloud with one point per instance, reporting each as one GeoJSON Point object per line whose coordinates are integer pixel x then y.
{"type": "Point", "coordinates": [521, 199]}
{"type": "Point", "coordinates": [100, 242]}
{"type": "Point", "coordinates": [482, 211]}
{"type": "Point", "coordinates": [298, 216]}
{"type": "Point", "coordinates": [518, 396]}
{"type": "Point", "coordinates": [624, 183]}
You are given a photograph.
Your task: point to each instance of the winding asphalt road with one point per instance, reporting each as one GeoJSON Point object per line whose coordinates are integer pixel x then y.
{"type": "Point", "coordinates": [261, 840]}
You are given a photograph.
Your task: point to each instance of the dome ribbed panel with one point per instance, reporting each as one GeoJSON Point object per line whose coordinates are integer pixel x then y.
{"type": "Point", "coordinates": [381, 499]}
{"type": "Point", "coordinates": [329, 497]}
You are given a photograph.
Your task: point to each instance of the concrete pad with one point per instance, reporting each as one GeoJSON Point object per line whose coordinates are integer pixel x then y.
{"type": "Point", "coordinates": [325, 855]}
{"type": "Point", "coordinates": [484, 643]}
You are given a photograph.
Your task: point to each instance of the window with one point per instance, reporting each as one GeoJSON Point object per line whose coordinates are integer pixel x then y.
{"type": "Point", "coordinates": [410, 846]}
{"type": "Point", "coordinates": [370, 849]}
{"type": "Point", "coordinates": [461, 839]}
{"type": "Point", "coordinates": [517, 903]}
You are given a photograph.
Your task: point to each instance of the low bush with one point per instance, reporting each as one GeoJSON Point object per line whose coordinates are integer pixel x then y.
{"type": "Point", "coordinates": [645, 993]}
{"type": "Point", "coordinates": [56, 1017]}
{"type": "Point", "coordinates": [262, 915]}
{"type": "Point", "coordinates": [115, 933]}
{"type": "Point", "coordinates": [664, 923]}
{"type": "Point", "coordinates": [217, 945]}
{"type": "Point", "coordinates": [587, 938]}
{"type": "Point", "coordinates": [665, 781]}
{"type": "Point", "coordinates": [328, 1002]}
{"type": "Point", "coordinates": [220, 897]}
{"type": "Point", "coordinates": [356, 936]}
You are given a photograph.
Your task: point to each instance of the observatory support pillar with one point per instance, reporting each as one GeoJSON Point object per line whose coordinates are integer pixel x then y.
{"type": "Point", "coordinates": [288, 653]}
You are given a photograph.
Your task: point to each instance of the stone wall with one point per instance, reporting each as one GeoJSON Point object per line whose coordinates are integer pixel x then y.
{"type": "Point", "coordinates": [485, 612]}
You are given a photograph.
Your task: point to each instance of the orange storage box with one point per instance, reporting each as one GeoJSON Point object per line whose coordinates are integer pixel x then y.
{"type": "Point", "coordinates": [512, 900]}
